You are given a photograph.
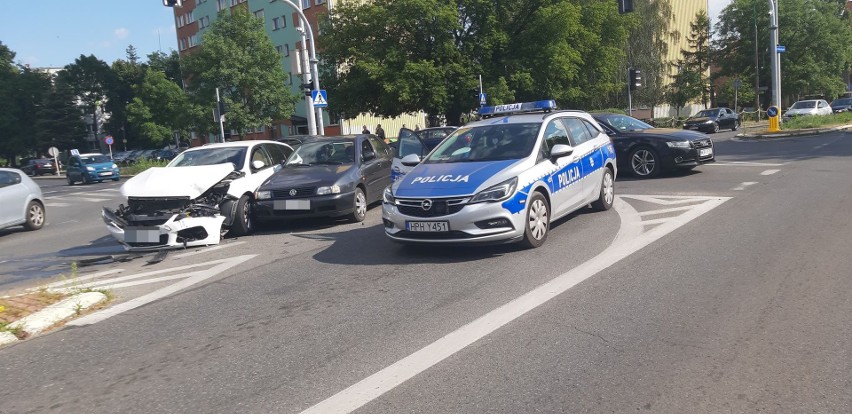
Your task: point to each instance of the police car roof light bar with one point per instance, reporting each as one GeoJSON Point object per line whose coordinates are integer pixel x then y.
{"type": "Point", "coordinates": [516, 108]}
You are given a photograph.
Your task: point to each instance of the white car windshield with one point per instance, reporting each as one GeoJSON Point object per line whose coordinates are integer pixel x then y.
{"type": "Point", "coordinates": [324, 152]}
{"type": "Point", "coordinates": [487, 143]}
{"type": "Point", "coordinates": [804, 105]}
{"type": "Point", "coordinates": [211, 156]}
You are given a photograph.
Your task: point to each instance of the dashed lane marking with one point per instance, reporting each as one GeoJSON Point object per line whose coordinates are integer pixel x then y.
{"type": "Point", "coordinates": [743, 186]}
{"type": "Point", "coordinates": [742, 164]}
{"type": "Point", "coordinates": [769, 172]}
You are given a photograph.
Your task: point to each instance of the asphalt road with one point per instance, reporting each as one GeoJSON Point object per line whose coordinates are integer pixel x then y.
{"type": "Point", "coordinates": [722, 289]}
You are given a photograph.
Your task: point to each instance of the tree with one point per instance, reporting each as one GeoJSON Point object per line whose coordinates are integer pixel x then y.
{"type": "Point", "coordinates": [685, 87]}
{"type": "Point", "coordinates": [696, 59]}
{"type": "Point", "coordinates": [159, 108]}
{"type": "Point", "coordinates": [648, 47]}
{"type": "Point", "coordinates": [238, 57]}
{"type": "Point", "coordinates": [817, 35]}
{"type": "Point", "coordinates": [89, 79]}
{"type": "Point", "coordinates": [390, 57]}
{"type": "Point", "coordinates": [58, 121]}
{"type": "Point", "coordinates": [168, 64]}
{"type": "Point", "coordinates": [128, 73]}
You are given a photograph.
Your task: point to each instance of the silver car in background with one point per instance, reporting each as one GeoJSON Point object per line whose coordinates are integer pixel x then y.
{"type": "Point", "coordinates": [22, 202]}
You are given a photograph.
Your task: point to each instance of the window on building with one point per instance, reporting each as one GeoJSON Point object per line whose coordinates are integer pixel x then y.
{"type": "Point", "coordinates": [259, 14]}
{"type": "Point", "coordinates": [203, 22]}
{"type": "Point", "coordinates": [276, 23]}
{"type": "Point", "coordinates": [318, 2]}
{"type": "Point", "coordinates": [190, 17]}
{"type": "Point", "coordinates": [193, 40]}
{"type": "Point", "coordinates": [279, 49]}
{"type": "Point", "coordinates": [286, 50]}
{"type": "Point", "coordinates": [306, 4]}
{"type": "Point", "coordinates": [221, 4]}
{"type": "Point", "coordinates": [235, 2]}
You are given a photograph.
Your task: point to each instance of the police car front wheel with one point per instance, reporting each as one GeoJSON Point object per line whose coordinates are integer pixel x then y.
{"type": "Point", "coordinates": [607, 193]}
{"type": "Point", "coordinates": [538, 221]}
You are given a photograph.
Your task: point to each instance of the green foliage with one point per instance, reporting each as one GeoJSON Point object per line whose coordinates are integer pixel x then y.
{"type": "Point", "coordinates": [390, 57]}
{"type": "Point", "coordinates": [58, 122]}
{"type": "Point", "coordinates": [140, 166]}
{"type": "Point", "coordinates": [159, 108]}
{"type": "Point", "coordinates": [744, 96]}
{"type": "Point", "coordinates": [169, 64]}
{"type": "Point", "coordinates": [804, 122]}
{"type": "Point", "coordinates": [89, 79]}
{"type": "Point", "coordinates": [127, 73]}
{"type": "Point", "coordinates": [239, 58]}
{"type": "Point", "coordinates": [817, 35]}
{"type": "Point", "coordinates": [648, 46]}
{"type": "Point", "coordinates": [691, 80]}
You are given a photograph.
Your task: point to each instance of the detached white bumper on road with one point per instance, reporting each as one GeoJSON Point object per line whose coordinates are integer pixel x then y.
{"type": "Point", "coordinates": [177, 232]}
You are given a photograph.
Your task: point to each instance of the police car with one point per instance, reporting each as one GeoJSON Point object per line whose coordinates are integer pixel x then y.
{"type": "Point", "coordinates": [503, 178]}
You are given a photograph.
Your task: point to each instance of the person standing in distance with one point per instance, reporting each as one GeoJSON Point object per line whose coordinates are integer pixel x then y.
{"type": "Point", "coordinates": [381, 133]}
{"type": "Point", "coordinates": [365, 130]}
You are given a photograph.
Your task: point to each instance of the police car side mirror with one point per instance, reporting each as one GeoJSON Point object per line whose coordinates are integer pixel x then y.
{"type": "Point", "coordinates": [411, 160]}
{"type": "Point", "coordinates": [560, 150]}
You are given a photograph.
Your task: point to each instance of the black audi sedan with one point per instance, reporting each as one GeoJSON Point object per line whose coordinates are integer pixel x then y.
{"type": "Point", "coordinates": [327, 177]}
{"type": "Point", "coordinates": [646, 151]}
{"type": "Point", "coordinates": [712, 120]}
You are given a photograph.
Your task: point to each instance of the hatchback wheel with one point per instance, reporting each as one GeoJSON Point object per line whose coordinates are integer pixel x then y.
{"type": "Point", "coordinates": [607, 194]}
{"type": "Point", "coordinates": [360, 203]}
{"type": "Point", "coordinates": [736, 126]}
{"type": "Point", "coordinates": [715, 127]}
{"type": "Point", "coordinates": [70, 181]}
{"type": "Point", "coordinates": [538, 221]}
{"type": "Point", "coordinates": [242, 224]}
{"type": "Point", "coordinates": [644, 163]}
{"type": "Point", "coordinates": [35, 216]}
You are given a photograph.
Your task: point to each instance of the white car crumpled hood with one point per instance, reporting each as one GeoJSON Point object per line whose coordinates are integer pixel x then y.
{"type": "Point", "coordinates": [175, 181]}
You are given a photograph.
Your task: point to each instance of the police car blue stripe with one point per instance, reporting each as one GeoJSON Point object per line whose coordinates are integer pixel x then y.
{"type": "Point", "coordinates": [571, 174]}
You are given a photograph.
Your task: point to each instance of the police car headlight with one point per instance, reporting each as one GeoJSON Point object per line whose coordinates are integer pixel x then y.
{"type": "Point", "coordinates": [498, 192]}
{"type": "Point", "coordinates": [387, 196]}
{"type": "Point", "coordinates": [678, 144]}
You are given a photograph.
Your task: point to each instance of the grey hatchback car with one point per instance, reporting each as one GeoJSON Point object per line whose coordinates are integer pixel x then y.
{"type": "Point", "coordinates": [22, 203]}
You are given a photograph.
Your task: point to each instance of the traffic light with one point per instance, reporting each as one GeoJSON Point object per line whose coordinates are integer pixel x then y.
{"type": "Point", "coordinates": [173, 3]}
{"type": "Point", "coordinates": [222, 107]}
{"type": "Point", "coordinates": [307, 88]}
{"type": "Point", "coordinates": [625, 6]}
{"type": "Point", "coordinates": [634, 78]}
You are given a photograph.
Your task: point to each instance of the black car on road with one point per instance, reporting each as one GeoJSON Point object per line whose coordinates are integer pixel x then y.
{"type": "Point", "coordinates": [646, 151]}
{"type": "Point", "coordinates": [712, 120]}
{"type": "Point", "coordinates": [327, 177]}
{"type": "Point", "coordinates": [841, 105]}
{"type": "Point", "coordinates": [39, 166]}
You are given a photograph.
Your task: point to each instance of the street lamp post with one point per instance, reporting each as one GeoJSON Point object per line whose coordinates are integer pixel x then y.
{"type": "Point", "coordinates": [313, 61]}
{"type": "Point", "coordinates": [773, 52]}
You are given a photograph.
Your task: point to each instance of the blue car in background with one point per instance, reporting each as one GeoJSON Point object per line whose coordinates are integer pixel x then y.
{"type": "Point", "coordinates": [88, 168]}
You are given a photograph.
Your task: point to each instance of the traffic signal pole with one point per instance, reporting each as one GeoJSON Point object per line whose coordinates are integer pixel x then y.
{"type": "Point", "coordinates": [313, 66]}
{"type": "Point", "coordinates": [221, 117]}
{"type": "Point", "coordinates": [306, 72]}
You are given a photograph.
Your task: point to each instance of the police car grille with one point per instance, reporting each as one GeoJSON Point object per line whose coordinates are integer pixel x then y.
{"type": "Point", "coordinates": [300, 192]}
{"type": "Point", "coordinates": [702, 143]}
{"type": "Point", "coordinates": [439, 207]}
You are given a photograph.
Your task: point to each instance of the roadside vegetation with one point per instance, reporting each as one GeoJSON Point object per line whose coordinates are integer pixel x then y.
{"type": "Point", "coordinates": [804, 122]}
{"type": "Point", "coordinates": [140, 166]}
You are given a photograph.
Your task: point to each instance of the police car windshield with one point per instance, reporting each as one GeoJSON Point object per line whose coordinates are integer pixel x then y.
{"type": "Point", "coordinates": [323, 152]}
{"type": "Point", "coordinates": [211, 156]}
{"type": "Point", "coordinates": [487, 143]}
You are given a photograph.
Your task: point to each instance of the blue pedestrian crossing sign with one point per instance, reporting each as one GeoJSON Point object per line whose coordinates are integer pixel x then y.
{"type": "Point", "coordinates": [320, 98]}
{"type": "Point", "coordinates": [482, 99]}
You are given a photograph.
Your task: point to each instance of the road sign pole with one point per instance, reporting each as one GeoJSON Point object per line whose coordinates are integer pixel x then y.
{"type": "Point", "coordinates": [221, 120]}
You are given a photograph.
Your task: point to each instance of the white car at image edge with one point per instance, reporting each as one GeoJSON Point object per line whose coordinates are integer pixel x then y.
{"type": "Point", "coordinates": [21, 201]}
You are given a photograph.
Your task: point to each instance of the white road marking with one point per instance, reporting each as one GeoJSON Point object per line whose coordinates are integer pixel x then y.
{"type": "Point", "coordinates": [769, 172]}
{"type": "Point", "coordinates": [630, 239]}
{"type": "Point", "coordinates": [78, 280]}
{"type": "Point", "coordinates": [56, 204]}
{"type": "Point", "coordinates": [69, 221]}
{"type": "Point", "coordinates": [743, 186]}
{"type": "Point", "coordinates": [189, 280]}
{"type": "Point", "coordinates": [664, 211]}
{"type": "Point", "coordinates": [821, 145]}
{"type": "Point", "coordinates": [209, 249]}
{"type": "Point", "coordinates": [743, 164]}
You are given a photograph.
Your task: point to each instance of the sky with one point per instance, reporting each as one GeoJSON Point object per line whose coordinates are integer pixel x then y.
{"type": "Point", "coordinates": [52, 33]}
{"type": "Point", "coordinates": [56, 32]}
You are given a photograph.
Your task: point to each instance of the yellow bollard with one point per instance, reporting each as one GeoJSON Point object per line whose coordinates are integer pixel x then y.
{"type": "Point", "coordinates": [774, 119]}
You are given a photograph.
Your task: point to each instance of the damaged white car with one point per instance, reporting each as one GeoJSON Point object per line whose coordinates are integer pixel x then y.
{"type": "Point", "coordinates": [204, 193]}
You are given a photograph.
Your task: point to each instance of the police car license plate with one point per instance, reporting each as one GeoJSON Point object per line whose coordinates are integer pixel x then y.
{"type": "Point", "coordinates": [705, 152]}
{"type": "Point", "coordinates": [427, 226]}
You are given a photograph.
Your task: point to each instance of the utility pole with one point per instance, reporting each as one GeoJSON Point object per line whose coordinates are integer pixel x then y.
{"type": "Point", "coordinates": [756, 69]}
{"type": "Point", "coordinates": [221, 117]}
{"type": "Point", "coordinates": [306, 80]}
{"type": "Point", "coordinates": [313, 63]}
{"type": "Point", "coordinates": [773, 52]}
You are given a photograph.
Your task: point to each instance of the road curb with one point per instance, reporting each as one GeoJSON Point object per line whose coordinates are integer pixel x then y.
{"type": "Point", "coordinates": [7, 338]}
{"type": "Point", "coordinates": [51, 315]}
{"type": "Point", "coordinates": [792, 133]}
